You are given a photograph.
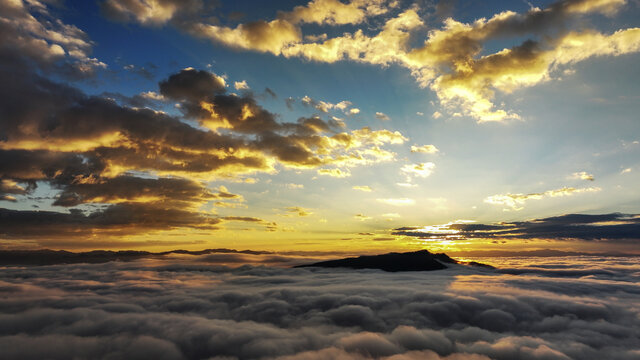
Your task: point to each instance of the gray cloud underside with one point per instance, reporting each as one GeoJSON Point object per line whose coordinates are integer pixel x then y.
{"type": "Point", "coordinates": [194, 309]}
{"type": "Point", "coordinates": [605, 227]}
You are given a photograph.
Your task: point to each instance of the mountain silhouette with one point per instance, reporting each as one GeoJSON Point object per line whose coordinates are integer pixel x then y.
{"type": "Point", "coordinates": [421, 260]}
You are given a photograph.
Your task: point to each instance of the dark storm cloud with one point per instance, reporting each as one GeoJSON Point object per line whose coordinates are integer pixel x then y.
{"type": "Point", "coordinates": [32, 165]}
{"type": "Point", "coordinates": [191, 308]}
{"type": "Point", "coordinates": [192, 85]}
{"type": "Point", "coordinates": [83, 146]}
{"type": "Point", "coordinates": [614, 227]}
{"type": "Point", "coordinates": [166, 190]}
{"type": "Point", "coordinates": [118, 219]}
{"type": "Point", "coordinates": [52, 115]}
{"type": "Point", "coordinates": [203, 96]}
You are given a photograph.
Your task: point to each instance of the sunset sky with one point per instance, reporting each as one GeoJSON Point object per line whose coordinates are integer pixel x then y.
{"type": "Point", "coordinates": [356, 126]}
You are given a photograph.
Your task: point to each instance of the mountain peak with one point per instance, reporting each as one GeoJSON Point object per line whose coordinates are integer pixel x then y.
{"type": "Point", "coordinates": [421, 260]}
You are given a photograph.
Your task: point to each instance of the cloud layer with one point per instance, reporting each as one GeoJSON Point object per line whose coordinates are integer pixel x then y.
{"type": "Point", "coordinates": [195, 308]}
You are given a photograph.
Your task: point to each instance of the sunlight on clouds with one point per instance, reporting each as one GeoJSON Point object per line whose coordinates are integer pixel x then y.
{"type": "Point", "coordinates": [582, 175]}
{"type": "Point", "coordinates": [241, 85]}
{"type": "Point", "coordinates": [362, 217]}
{"type": "Point", "coordinates": [89, 164]}
{"type": "Point", "coordinates": [517, 201]}
{"type": "Point", "coordinates": [449, 61]}
{"type": "Point", "coordinates": [427, 149]}
{"type": "Point", "coordinates": [115, 138]}
{"type": "Point", "coordinates": [300, 211]}
{"type": "Point", "coordinates": [421, 170]}
{"type": "Point", "coordinates": [334, 12]}
{"type": "Point", "coordinates": [148, 12]}
{"type": "Point", "coordinates": [382, 116]}
{"type": "Point", "coordinates": [382, 49]}
{"type": "Point", "coordinates": [294, 186]}
{"type": "Point", "coordinates": [261, 36]}
{"type": "Point", "coordinates": [337, 173]}
{"type": "Point", "coordinates": [608, 7]}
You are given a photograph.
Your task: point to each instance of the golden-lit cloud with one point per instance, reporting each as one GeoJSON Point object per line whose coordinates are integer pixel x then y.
{"type": "Point", "coordinates": [582, 175]}
{"type": "Point", "coordinates": [148, 12]}
{"type": "Point", "coordinates": [293, 186]}
{"type": "Point", "coordinates": [426, 149]}
{"type": "Point", "coordinates": [241, 85]}
{"type": "Point", "coordinates": [337, 173]}
{"type": "Point", "coordinates": [473, 86]}
{"type": "Point", "coordinates": [262, 36]}
{"type": "Point", "coordinates": [362, 217]}
{"type": "Point", "coordinates": [325, 106]}
{"type": "Point", "coordinates": [420, 170]}
{"type": "Point", "coordinates": [517, 201]}
{"type": "Point", "coordinates": [335, 12]}
{"type": "Point", "coordinates": [364, 188]}
{"type": "Point", "coordinates": [299, 211]}
{"type": "Point", "coordinates": [386, 47]}
{"type": "Point", "coordinates": [9, 188]}
{"type": "Point", "coordinates": [382, 116]}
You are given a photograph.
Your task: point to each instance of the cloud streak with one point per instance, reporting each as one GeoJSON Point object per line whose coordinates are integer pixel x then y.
{"type": "Point", "coordinates": [613, 227]}
{"type": "Point", "coordinates": [517, 201]}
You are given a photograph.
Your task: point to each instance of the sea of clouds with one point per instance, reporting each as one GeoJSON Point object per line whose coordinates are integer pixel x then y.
{"type": "Point", "coordinates": [239, 306]}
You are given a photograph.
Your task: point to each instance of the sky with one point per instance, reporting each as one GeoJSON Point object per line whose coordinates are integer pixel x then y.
{"type": "Point", "coordinates": [355, 126]}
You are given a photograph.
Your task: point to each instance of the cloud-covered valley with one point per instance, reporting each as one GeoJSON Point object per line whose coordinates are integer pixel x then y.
{"type": "Point", "coordinates": [213, 307]}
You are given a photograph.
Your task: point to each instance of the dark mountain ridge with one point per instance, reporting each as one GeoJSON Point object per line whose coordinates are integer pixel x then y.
{"type": "Point", "coordinates": [52, 257]}
{"type": "Point", "coordinates": [421, 260]}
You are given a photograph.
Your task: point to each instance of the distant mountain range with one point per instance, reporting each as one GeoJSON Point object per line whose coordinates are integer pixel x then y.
{"type": "Point", "coordinates": [410, 261]}
{"type": "Point", "coordinates": [51, 257]}
{"type": "Point", "coordinates": [422, 260]}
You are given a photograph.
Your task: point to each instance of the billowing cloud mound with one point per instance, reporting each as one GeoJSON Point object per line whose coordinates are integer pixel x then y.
{"type": "Point", "coordinates": [194, 308]}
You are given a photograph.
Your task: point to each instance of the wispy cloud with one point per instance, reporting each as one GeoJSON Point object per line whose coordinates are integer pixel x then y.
{"type": "Point", "coordinates": [427, 149]}
{"type": "Point", "coordinates": [364, 188]}
{"type": "Point", "coordinates": [517, 201]}
{"type": "Point", "coordinates": [582, 175]}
